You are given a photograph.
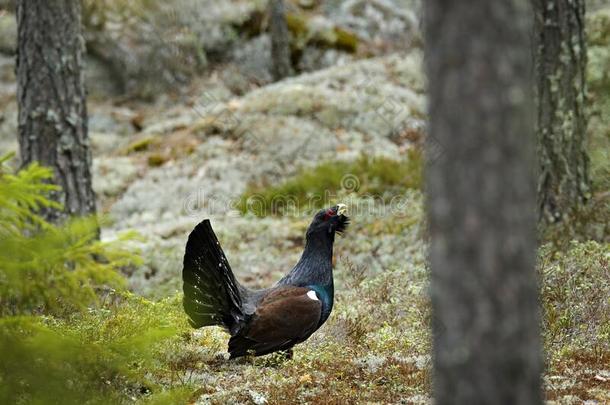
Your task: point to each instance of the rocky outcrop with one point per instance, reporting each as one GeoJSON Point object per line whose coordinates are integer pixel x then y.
{"type": "Point", "coordinates": [265, 135]}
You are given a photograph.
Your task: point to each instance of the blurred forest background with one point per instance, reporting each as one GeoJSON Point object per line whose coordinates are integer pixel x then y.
{"type": "Point", "coordinates": [189, 118]}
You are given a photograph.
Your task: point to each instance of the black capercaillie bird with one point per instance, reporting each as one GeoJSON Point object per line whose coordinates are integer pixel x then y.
{"type": "Point", "coordinates": [268, 320]}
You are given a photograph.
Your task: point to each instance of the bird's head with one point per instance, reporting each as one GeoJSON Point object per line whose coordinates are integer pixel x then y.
{"type": "Point", "coordinates": [329, 221]}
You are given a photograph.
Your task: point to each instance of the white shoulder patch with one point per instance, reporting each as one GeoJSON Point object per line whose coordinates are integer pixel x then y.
{"type": "Point", "coordinates": [312, 294]}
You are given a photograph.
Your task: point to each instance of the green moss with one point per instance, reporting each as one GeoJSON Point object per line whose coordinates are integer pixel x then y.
{"type": "Point", "coordinates": [140, 145]}
{"type": "Point", "coordinates": [346, 40]}
{"type": "Point", "coordinates": [378, 178]}
{"type": "Point", "coordinates": [297, 24]}
{"type": "Point", "coordinates": [156, 160]}
{"type": "Point", "coordinates": [336, 37]}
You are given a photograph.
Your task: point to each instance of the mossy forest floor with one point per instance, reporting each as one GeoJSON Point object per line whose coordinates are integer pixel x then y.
{"type": "Point", "coordinates": [374, 349]}
{"type": "Point", "coordinates": [258, 158]}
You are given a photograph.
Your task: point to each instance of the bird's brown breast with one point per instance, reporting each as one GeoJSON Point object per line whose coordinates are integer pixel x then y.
{"type": "Point", "coordinates": [285, 316]}
{"type": "Point", "coordinates": [285, 313]}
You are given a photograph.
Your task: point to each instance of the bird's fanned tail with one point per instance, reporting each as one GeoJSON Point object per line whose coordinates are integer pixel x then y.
{"type": "Point", "coordinates": [211, 292]}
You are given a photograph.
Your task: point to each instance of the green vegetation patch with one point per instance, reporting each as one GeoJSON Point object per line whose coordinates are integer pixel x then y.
{"type": "Point", "coordinates": [575, 297]}
{"type": "Point", "coordinates": [46, 268]}
{"type": "Point", "coordinates": [109, 354]}
{"type": "Point", "coordinates": [69, 332]}
{"type": "Point", "coordinates": [312, 188]}
{"type": "Point", "coordinates": [335, 37]}
{"type": "Point", "coordinates": [141, 145]}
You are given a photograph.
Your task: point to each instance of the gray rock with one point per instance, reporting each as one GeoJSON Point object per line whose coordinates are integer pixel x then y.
{"type": "Point", "coordinates": [417, 399]}
{"type": "Point", "coordinates": [257, 397]}
{"type": "Point", "coordinates": [154, 46]}
{"type": "Point", "coordinates": [266, 136]}
{"type": "Point", "coordinates": [314, 58]}
{"type": "Point", "coordinates": [111, 175]}
{"type": "Point", "coordinates": [375, 96]}
{"type": "Point", "coordinates": [103, 144]}
{"type": "Point", "coordinates": [108, 119]}
{"type": "Point", "coordinates": [394, 23]}
{"type": "Point", "coordinates": [253, 59]}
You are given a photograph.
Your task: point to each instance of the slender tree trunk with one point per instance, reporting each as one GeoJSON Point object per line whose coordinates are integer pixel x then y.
{"type": "Point", "coordinates": [51, 96]}
{"type": "Point", "coordinates": [482, 203]}
{"type": "Point", "coordinates": [280, 40]}
{"type": "Point", "coordinates": [561, 56]}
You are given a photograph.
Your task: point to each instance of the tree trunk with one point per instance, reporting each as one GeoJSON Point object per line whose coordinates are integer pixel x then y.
{"type": "Point", "coordinates": [280, 40]}
{"type": "Point", "coordinates": [561, 56]}
{"type": "Point", "coordinates": [482, 203]}
{"type": "Point", "coordinates": [51, 96]}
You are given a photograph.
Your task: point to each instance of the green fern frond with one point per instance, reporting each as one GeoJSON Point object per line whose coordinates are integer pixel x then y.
{"type": "Point", "coordinates": [23, 195]}
{"type": "Point", "coordinates": [45, 268]}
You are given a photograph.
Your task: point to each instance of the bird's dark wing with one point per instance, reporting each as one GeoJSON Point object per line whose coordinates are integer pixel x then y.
{"type": "Point", "coordinates": [284, 317]}
{"type": "Point", "coordinates": [211, 293]}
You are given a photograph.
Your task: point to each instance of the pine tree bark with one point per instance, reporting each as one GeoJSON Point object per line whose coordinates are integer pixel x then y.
{"type": "Point", "coordinates": [280, 40]}
{"type": "Point", "coordinates": [561, 56]}
{"type": "Point", "coordinates": [51, 97]}
{"type": "Point", "coordinates": [482, 203]}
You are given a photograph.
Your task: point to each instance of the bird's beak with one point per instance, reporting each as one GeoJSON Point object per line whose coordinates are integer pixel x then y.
{"type": "Point", "coordinates": [341, 209]}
